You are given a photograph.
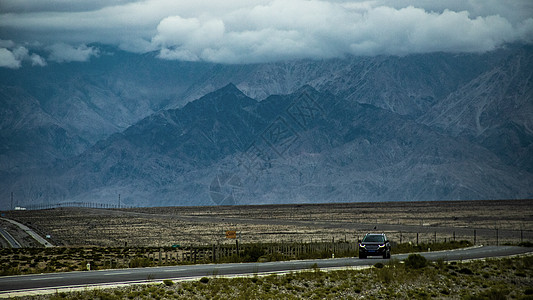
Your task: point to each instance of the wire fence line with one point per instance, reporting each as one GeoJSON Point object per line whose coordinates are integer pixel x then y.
{"type": "Point", "coordinates": [74, 204]}
{"type": "Point", "coordinates": [321, 248]}
{"type": "Point", "coordinates": [347, 231]}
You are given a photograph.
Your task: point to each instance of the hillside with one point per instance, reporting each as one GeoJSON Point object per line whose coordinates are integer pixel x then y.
{"type": "Point", "coordinates": [226, 148]}
{"type": "Point", "coordinates": [421, 127]}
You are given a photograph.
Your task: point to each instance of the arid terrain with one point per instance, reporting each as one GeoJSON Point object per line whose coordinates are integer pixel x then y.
{"type": "Point", "coordinates": [482, 222]}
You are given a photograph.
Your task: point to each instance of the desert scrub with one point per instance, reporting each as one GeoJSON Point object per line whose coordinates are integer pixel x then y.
{"type": "Point", "coordinates": [392, 280]}
{"type": "Point", "coordinates": [61, 259]}
{"type": "Point", "coordinates": [423, 247]}
{"type": "Point", "coordinates": [415, 261]}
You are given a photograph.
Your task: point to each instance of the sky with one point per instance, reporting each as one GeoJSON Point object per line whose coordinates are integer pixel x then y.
{"type": "Point", "coordinates": [36, 32]}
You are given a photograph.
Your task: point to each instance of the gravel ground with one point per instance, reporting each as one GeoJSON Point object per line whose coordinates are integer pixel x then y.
{"type": "Point", "coordinates": [509, 221]}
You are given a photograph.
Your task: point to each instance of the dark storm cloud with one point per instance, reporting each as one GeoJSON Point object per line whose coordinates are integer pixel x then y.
{"type": "Point", "coordinates": [243, 31]}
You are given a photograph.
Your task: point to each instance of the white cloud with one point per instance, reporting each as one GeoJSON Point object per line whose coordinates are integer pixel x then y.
{"type": "Point", "coordinates": [236, 31]}
{"type": "Point", "coordinates": [7, 44]}
{"type": "Point", "coordinates": [12, 56]}
{"type": "Point", "coordinates": [8, 59]}
{"type": "Point", "coordinates": [61, 52]}
{"type": "Point", "coordinates": [318, 29]}
{"type": "Point", "coordinates": [37, 60]}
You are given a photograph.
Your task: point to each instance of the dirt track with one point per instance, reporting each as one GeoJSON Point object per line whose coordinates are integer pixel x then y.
{"type": "Point", "coordinates": [493, 221]}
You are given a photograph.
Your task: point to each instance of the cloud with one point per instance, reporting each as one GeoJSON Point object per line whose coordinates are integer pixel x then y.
{"type": "Point", "coordinates": [247, 31]}
{"type": "Point", "coordinates": [12, 56]}
{"type": "Point", "coordinates": [303, 29]}
{"type": "Point", "coordinates": [37, 60]}
{"type": "Point", "coordinates": [8, 59]}
{"type": "Point", "coordinates": [7, 44]}
{"type": "Point", "coordinates": [61, 52]}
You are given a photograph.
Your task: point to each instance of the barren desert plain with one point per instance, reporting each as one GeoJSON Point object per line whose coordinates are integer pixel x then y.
{"type": "Point", "coordinates": [482, 222]}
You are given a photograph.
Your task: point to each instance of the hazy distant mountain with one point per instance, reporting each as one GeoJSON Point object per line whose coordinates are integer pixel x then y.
{"type": "Point", "coordinates": [226, 148]}
{"type": "Point", "coordinates": [495, 109]}
{"type": "Point", "coordinates": [30, 137]}
{"type": "Point", "coordinates": [420, 127]}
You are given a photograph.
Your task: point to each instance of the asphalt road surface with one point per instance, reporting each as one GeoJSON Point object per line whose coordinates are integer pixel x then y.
{"type": "Point", "coordinates": [29, 232]}
{"type": "Point", "coordinates": [15, 285]}
{"type": "Point", "coordinates": [9, 239]}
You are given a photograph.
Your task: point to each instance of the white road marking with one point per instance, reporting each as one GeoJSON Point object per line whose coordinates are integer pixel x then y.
{"type": "Point", "coordinates": [118, 273]}
{"type": "Point", "coordinates": [46, 278]}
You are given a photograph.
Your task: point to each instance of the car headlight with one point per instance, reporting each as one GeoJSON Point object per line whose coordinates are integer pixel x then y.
{"type": "Point", "coordinates": [381, 246]}
{"type": "Point", "coordinates": [361, 245]}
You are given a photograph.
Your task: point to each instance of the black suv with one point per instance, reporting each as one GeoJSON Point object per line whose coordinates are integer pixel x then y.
{"type": "Point", "coordinates": [374, 244]}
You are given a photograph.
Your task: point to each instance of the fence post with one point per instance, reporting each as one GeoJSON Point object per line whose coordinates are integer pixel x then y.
{"type": "Point", "coordinates": [417, 238]}
{"type": "Point", "coordinates": [474, 236]}
{"type": "Point", "coordinates": [497, 237]}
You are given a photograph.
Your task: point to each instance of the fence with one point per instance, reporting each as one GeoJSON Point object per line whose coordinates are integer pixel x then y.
{"type": "Point", "coordinates": [75, 204]}
{"type": "Point", "coordinates": [323, 249]}
{"type": "Point", "coordinates": [231, 252]}
{"type": "Point", "coordinates": [478, 236]}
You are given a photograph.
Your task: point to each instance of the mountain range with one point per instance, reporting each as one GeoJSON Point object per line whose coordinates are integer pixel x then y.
{"type": "Point", "coordinates": [434, 126]}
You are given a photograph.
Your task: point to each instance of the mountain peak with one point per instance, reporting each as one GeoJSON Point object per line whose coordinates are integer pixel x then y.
{"type": "Point", "coordinates": [228, 94]}
{"type": "Point", "coordinates": [230, 88]}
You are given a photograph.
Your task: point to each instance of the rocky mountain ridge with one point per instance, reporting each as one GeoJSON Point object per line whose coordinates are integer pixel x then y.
{"type": "Point", "coordinates": [422, 127]}
{"type": "Point", "coordinates": [227, 148]}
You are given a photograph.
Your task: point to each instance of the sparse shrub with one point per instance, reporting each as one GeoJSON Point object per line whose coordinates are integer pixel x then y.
{"type": "Point", "coordinates": [204, 280]}
{"type": "Point", "coordinates": [440, 264]}
{"type": "Point", "coordinates": [379, 265]}
{"type": "Point", "coordinates": [466, 271]}
{"type": "Point", "coordinates": [252, 254]}
{"type": "Point", "coordinates": [255, 279]}
{"type": "Point", "coordinates": [140, 262]}
{"type": "Point", "coordinates": [520, 274]}
{"type": "Point", "coordinates": [526, 244]}
{"type": "Point", "coordinates": [415, 261]}
{"type": "Point", "coordinates": [385, 275]}
{"type": "Point", "coordinates": [168, 282]}
{"type": "Point", "coordinates": [494, 293]}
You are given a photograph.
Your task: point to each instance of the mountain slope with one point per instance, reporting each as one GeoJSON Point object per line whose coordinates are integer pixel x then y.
{"type": "Point", "coordinates": [226, 148]}
{"type": "Point", "coordinates": [436, 126]}
{"type": "Point", "coordinates": [495, 110]}
{"type": "Point", "coordinates": [93, 100]}
{"type": "Point", "coordinates": [29, 136]}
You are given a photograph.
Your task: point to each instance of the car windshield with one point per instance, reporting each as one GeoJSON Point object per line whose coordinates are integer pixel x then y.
{"type": "Point", "coordinates": [373, 238]}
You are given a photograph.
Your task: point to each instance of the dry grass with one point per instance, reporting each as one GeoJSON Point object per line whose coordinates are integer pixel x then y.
{"type": "Point", "coordinates": [165, 226]}
{"type": "Point", "coordinates": [492, 279]}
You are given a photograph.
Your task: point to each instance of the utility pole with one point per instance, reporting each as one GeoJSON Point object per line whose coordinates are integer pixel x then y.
{"type": "Point", "coordinates": [12, 201]}
{"type": "Point", "coordinates": [118, 200]}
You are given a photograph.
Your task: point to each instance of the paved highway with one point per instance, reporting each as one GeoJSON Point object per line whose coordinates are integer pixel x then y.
{"type": "Point", "coordinates": [30, 232]}
{"type": "Point", "coordinates": [15, 285]}
{"type": "Point", "coordinates": [10, 239]}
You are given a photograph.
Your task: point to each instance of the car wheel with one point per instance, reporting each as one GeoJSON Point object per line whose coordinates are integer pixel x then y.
{"type": "Point", "coordinates": [361, 256]}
